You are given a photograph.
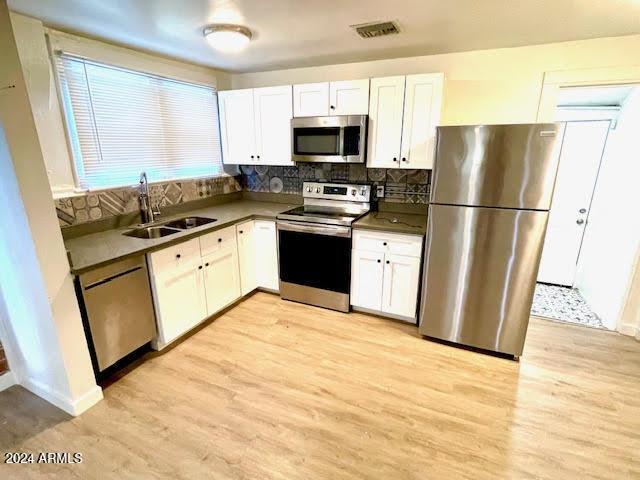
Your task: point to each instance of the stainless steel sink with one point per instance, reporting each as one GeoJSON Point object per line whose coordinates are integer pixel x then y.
{"type": "Point", "coordinates": [189, 222]}
{"type": "Point", "coordinates": [151, 232]}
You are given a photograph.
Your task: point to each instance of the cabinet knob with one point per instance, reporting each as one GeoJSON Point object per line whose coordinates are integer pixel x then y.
{"type": "Point", "coordinates": [404, 159]}
{"type": "Point", "coordinates": [384, 244]}
{"type": "Point", "coordinates": [332, 107]}
{"type": "Point", "coordinates": [178, 255]}
{"type": "Point", "coordinates": [206, 264]}
{"type": "Point", "coordinates": [387, 262]}
{"type": "Point", "coordinates": [258, 156]}
{"type": "Point", "coordinates": [379, 260]}
{"type": "Point", "coordinates": [241, 232]}
{"type": "Point", "coordinates": [395, 159]}
{"type": "Point", "coordinates": [251, 156]}
{"type": "Point", "coordinates": [219, 239]}
{"type": "Point", "coordinates": [200, 267]}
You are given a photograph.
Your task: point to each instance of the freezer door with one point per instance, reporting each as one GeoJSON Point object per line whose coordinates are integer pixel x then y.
{"type": "Point", "coordinates": [508, 166]}
{"type": "Point", "coordinates": [480, 274]}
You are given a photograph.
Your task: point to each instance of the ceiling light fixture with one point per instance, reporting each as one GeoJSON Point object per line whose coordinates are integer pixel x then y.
{"type": "Point", "coordinates": [227, 37]}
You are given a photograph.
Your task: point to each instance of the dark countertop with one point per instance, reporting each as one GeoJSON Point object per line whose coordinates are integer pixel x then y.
{"type": "Point", "coordinates": [97, 249]}
{"type": "Point", "coordinates": [393, 222]}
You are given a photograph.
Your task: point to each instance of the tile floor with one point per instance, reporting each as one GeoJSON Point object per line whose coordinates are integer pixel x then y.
{"type": "Point", "coordinates": [564, 304]}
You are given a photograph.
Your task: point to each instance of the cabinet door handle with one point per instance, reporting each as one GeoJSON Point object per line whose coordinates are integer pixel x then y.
{"type": "Point", "coordinates": [404, 159]}
{"type": "Point", "coordinates": [379, 260]}
{"type": "Point", "coordinates": [206, 264]}
{"type": "Point", "coordinates": [200, 267]}
{"type": "Point", "coordinates": [387, 262]}
{"type": "Point", "coordinates": [395, 159]}
{"type": "Point", "coordinates": [258, 156]}
{"type": "Point", "coordinates": [332, 107]}
{"type": "Point", "coordinates": [241, 232]}
{"type": "Point", "coordinates": [251, 156]}
{"type": "Point", "coordinates": [384, 244]}
{"type": "Point", "coordinates": [178, 255]}
{"type": "Point", "coordinates": [219, 239]}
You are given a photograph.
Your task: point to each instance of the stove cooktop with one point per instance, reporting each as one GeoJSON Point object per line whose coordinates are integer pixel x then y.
{"type": "Point", "coordinates": [318, 215]}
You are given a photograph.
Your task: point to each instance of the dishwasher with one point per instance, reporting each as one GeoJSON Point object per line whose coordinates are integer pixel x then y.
{"type": "Point", "coordinates": [117, 311]}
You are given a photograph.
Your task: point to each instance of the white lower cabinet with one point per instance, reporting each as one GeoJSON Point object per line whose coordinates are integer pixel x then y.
{"type": "Point", "coordinates": [178, 290]}
{"type": "Point", "coordinates": [221, 279]}
{"type": "Point", "coordinates": [266, 261]}
{"type": "Point", "coordinates": [381, 279]}
{"type": "Point", "coordinates": [247, 256]}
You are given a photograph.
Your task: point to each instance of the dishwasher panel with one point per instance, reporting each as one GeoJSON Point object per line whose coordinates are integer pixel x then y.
{"type": "Point", "coordinates": [119, 309]}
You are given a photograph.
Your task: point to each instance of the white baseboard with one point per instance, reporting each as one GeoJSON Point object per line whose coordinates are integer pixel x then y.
{"type": "Point", "coordinates": [384, 314]}
{"type": "Point", "coordinates": [629, 329]}
{"type": "Point", "coordinates": [72, 407]}
{"type": "Point", "coordinates": [7, 379]}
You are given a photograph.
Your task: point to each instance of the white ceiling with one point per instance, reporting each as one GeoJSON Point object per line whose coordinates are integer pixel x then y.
{"type": "Point", "coordinates": [294, 33]}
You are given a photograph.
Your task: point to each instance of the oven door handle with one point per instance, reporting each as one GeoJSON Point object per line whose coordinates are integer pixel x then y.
{"type": "Point", "coordinates": [331, 230]}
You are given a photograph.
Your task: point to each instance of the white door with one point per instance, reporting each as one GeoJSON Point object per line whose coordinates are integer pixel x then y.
{"type": "Point", "coordinates": [349, 97]}
{"type": "Point", "coordinates": [400, 290]}
{"type": "Point", "coordinates": [385, 122]}
{"type": "Point", "coordinates": [264, 234]}
{"type": "Point", "coordinates": [273, 112]}
{"type": "Point", "coordinates": [237, 129]}
{"type": "Point", "coordinates": [246, 256]}
{"type": "Point", "coordinates": [366, 279]}
{"type": "Point", "coordinates": [221, 278]}
{"type": "Point", "coordinates": [582, 150]}
{"type": "Point", "coordinates": [181, 301]}
{"type": "Point", "coordinates": [422, 106]}
{"type": "Point", "coordinates": [311, 100]}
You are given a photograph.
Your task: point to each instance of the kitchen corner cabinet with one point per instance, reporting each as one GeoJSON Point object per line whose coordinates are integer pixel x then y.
{"type": "Point", "coordinates": [404, 112]}
{"type": "Point", "coordinates": [385, 273]}
{"type": "Point", "coordinates": [196, 279]}
{"type": "Point", "coordinates": [349, 97]}
{"type": "Point", "coordinates": [255, 126]}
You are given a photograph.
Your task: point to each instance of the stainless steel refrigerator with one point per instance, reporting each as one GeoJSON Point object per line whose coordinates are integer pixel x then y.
{"type": "Point", "coordinates": [490, 198]}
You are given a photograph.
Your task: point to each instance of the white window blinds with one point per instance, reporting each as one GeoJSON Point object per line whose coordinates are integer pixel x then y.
{"type": "Point", "coordinates": [122, 122]}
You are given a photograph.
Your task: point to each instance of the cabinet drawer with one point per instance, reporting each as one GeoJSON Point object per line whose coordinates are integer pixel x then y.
{"type": "Point", "coordinates": [212, 242]}
{"type": "Point", "coordinates": [383, 242]}
{"type": "Point", "coordinates": [178, 256]}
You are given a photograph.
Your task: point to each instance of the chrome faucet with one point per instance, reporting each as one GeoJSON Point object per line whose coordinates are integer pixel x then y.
{"type": "Point", "coordinates": [147, 212]}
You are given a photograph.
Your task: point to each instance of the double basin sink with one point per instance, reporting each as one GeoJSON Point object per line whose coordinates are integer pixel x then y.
{"type": "Point", "coordinates": [169, 228]}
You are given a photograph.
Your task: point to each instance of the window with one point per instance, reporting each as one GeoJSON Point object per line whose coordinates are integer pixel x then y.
{"type": "Point", "coordinates": [123, 122]}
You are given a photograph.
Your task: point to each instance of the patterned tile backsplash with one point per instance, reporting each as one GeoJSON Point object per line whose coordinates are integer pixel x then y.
{"type": "Point", "coordinates": [109, 203]}
{"type": "Point", "coordinates": [401, 186]}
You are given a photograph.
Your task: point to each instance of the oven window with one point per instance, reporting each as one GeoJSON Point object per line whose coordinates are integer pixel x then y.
{"type": "Point", "coordinates": [319, 261]}
{"type": "Point", "coordinates": [316, 141]}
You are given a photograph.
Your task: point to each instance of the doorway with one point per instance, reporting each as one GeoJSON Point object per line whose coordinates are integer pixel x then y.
{"type": "Point", "coordinates": [593, 235]}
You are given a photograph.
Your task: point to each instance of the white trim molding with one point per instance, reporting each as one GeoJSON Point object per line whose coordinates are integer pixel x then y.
{"type": "Point", "coordinates": [7, 379]}
{"type": "Point", "coordinates": [584, 77]}
{"type": "Point", "coordinates": [72, 407]}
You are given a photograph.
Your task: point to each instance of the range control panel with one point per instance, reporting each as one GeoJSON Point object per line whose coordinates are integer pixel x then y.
{"type": "Point", "coordinates": [352, 192]}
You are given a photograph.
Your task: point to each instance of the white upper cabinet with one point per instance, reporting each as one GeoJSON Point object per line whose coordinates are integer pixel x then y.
{"type": "Point", "coordinates": [349, 97]}
{"type": "Point", "coordinates": [403, 115]}
{"type": "Point", "coordinates": [237, 126]}
{"type": "Point", "coordinates": [385, 121]}
{"type": "Point", "coordinates": [255, 126]}
{"type": "Point", "coordinates": [422, 106]}
{"type": "Point", "coordinates": [311, 100]}
{"type": "Point", "coordinates": [273, 114]}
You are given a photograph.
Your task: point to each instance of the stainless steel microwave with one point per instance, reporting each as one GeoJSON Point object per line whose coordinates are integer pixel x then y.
{"type": "Point", "coordinates": [337, 139]}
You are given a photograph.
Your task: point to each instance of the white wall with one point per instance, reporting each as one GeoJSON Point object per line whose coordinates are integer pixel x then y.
{"type": "Point", "coordinates": [49, 348]}
{"type": "Point", "coordinates": [612, 237]}
{"type": "Point", "coordinates": [37, 69]}
{"type": "Point", "coordinates": [488, 86]}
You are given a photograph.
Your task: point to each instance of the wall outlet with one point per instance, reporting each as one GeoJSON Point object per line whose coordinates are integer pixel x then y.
{"type": "Point", "coordinates": [380, 191]}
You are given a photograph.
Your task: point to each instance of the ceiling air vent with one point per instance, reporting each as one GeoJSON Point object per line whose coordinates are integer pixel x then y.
{"type": "Point", "coordinates": [376, 29]}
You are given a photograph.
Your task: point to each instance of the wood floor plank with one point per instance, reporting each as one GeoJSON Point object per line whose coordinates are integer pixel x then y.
{"type": "Point", "coordinates": [278, 390]}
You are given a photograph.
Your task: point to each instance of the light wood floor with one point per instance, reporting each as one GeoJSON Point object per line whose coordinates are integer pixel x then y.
{"type": "Point", "coordinates": [280, 390]}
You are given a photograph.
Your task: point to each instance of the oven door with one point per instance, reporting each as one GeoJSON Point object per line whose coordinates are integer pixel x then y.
{"type": "Point", "coordinates": [315, 264]}
{"type": "Point", "coordinates": [329, 139]}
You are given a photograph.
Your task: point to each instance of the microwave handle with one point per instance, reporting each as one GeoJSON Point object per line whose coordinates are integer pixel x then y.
{"type": "Point", "coordinates": [341, 142]}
